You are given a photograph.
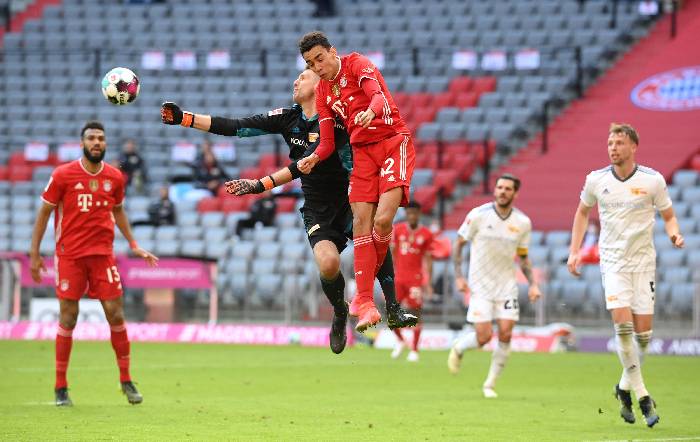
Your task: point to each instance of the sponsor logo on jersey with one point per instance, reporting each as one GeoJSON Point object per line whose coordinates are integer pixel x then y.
{"type": "Point", "coordinates": [343, 81]}
{"type": "Point", "coordinates": [297, 141]}
{"type": "Point", "coordinates": [611, 298]}
{"type": "Point", "coordinates": [368, 70]}
{"type": "Point", "coordinates": [277, 111]}
{"type": "Point", "coordinates": [336, 90]}
{"type": "Point", "coordinates": [107, 185]}
{"type": "Point", "coordinates": [94, 185]}
{"type": "Point", "coordinates": [313, 136]}
{"type": "Point", "coordinates": [328, 99]}
{"type": "Point", "coordinates": [669, 91]}
{"type": "Point", "coordinates": [638, 191]}
{"type": "Point", "coordinates": [79, 186]}
{"type": "Point", "coordinates": [64, 285]}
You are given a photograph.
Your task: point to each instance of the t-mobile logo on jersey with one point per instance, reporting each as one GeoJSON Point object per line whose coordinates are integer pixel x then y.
{"type": "Point", "coordinates": [84, 201]}
{"type": "Point", "coordinates": [339, 108]}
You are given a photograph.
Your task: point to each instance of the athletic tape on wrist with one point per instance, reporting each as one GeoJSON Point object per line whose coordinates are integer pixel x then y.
{"type": "Point", "coordinates": [268, 182]}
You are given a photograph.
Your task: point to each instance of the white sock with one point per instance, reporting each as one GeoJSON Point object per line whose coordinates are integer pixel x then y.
{"type": "Point", "coordinates": [498, 361]}
{"type": "Point", "coordinates": [643, 339]}
{"type": "Point", "coordinates": [629, 357]}
{"type": "Point", "coordinates": [466, 342]}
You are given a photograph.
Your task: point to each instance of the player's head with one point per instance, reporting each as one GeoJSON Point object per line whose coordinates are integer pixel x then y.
{"type": "Point", "coordinates": [304, 86]}
{"type": "Point", "coordinates": [413, 213]}
{"type": "Point", "coordinates": [93, 141]}
{"type": "Point", "coordinates": [320, 56]}
{"type": "Point", "coordinates": [506, 190]}
{"type": "Point", "coordinates": [622, 143]}
{"type": "Point", "coordinates": [129, 146]}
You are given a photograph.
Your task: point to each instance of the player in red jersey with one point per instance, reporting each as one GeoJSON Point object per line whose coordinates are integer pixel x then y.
{"type": "Point", "coordinates": [413, 264]}
{"type": "Point", "coordinates": [353, 89]}
{"type": "Point", "coordinates": [87, 197]}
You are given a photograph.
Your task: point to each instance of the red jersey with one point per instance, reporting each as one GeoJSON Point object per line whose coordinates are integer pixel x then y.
{"type": "Point", "coordinates": [84, 202]}
{"type": "Point", "coordinates": [344, 96]}
{"type": "Point", "coordinates": [409, 248]}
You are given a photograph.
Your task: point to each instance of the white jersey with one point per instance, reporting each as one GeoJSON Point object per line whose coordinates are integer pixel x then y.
{"type": "Point", "coordinates": [626, 210]}
{"type": "Point", "coordinates": [495, 242]}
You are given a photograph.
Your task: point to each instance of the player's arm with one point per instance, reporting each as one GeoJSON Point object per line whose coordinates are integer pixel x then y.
{"type": "Point", "coordinates": [460, 280]}
{"type": "Point", "coordinates": [326, 144]}
{"type": "Point", "coordinates": [533, 292]}
{"type": "Point", "coordinates": [577, 232]}
{"type": "Point", "coordinates": [672, 228]}
{"type": "Point", "coordinates": [376, 105]}
{"type": "Point", "coordinates": [261, 124]}
{"type": "Point", "coordinates": [122, 222]}
{"type": "Point", "coordinates": [247, 186]}
{"type": "Point", "coordinates": [42, 219]}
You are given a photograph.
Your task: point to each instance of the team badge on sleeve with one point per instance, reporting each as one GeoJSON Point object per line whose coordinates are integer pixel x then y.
{"type": "Point", "coordinates": [313, 136]}
{"type": "Point", "coordinates": [277, 111]}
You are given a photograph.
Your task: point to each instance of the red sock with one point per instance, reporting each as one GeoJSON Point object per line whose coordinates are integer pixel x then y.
{"type": "Point", "coordinates": [381, 245]}
{"type": "Point", "coordinates": [365, 262]}
{"type": "Point", "coordinates": [416, 336]}
{"type": "Point", "coordinates": [397, 332]}
{"type": "Point", "coordinates": [64, 343]}
{"type": "Point", "coordinates": [122, 347]}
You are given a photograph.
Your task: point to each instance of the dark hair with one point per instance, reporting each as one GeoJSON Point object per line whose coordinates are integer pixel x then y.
{"type": "Point", "coordinates": [94, 124]}
{"type": "Point", "coordinates": [513, 178]}
{"type": "Point", "coordinates": [626, 129]}
{"type": "Point", "coordinates": [313, 39]}
{"type": "Point", "coordinates": [413, 205]}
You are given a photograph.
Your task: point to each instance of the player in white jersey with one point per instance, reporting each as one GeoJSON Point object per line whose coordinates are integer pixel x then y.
{"type": "Point", "coordinates": [498, 231]}
{"type": "Point", "coordinates": [627, 195]}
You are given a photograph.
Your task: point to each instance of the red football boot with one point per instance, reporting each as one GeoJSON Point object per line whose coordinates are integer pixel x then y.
{"type": "Point", "coordinates": [369, 317]}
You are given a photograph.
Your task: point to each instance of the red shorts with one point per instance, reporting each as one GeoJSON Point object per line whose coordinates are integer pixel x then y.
{"type": "Point", "coordinates": [97, 275]}
{"type": "Point", "coordinates": [380, 167]}
{"type": "Point", "coordinates": [409, 295]}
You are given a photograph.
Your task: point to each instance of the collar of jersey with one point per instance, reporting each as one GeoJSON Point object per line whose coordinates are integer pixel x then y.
{"type": "Point", "coordinates": [340, 68]}
{"type": "Point", "coordinates": [499, 214]}
{"type": "Point", "coordinates": [303, 115]}
{"type": "Point", "coordinates": [617, 177]}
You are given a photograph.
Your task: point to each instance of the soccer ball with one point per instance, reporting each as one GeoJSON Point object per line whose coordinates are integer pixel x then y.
{"type": "Point", "coordinates": [120, 86]}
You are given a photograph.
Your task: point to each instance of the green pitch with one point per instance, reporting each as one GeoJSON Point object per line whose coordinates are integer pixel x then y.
{"type": "Point", "coordinates": [219, 392]}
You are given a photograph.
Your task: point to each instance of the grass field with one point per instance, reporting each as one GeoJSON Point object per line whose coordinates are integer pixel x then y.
{"type": "Point", "coordinates": [219, 392]}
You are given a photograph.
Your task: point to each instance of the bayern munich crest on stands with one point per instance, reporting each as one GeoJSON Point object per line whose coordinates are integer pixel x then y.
{"type": "Point", "coordinates": [675, 90]}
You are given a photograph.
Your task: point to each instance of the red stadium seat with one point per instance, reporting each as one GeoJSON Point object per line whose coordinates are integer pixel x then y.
{"type": "Point", "coordinates": [695, 162]}
{"type": "Point", "coordinates": [464, 164]}
{"type": "Point", "coordinates": [461, 84]}
{"type": "Point", "coordinates": [211, 204]}
{"type": "Point", "coordinates": [269, 161]}
{"type": "Point", "coordinates": [466, 99]}
{"type": "Point", "coordinates": [233, 204]}
{"type": "Point", "coordinates": [20, 173]}
{"type": "Point", "coordinates": [426, 197]}
{"type": "Point", "coordinates": [285, 205]}
{"type": "Point", "coordinates": [484, 84]}
{"type": "Point", "coordinates": [3, 173]}
{"type": "Point", "coordinates": [16, 159]}
{"type": "Point", "coordinates": [251, 173]}
{"type": "Point", "coordinates": [421, 100]}
{"type": "Point", "coordinates": [446, 179]}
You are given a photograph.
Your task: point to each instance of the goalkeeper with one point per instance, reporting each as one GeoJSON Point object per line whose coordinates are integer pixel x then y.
{"type": "Point", "coordinates": [326, 212]}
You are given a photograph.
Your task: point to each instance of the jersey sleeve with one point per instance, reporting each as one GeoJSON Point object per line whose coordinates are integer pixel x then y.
{"type": "Point", "coordinates": [53, 192]}
{"type": "Point", "coordinates": [362, 68]}
{"type": "Point", "coordinates": [588, 192]}
{"type": "Point", "coordinates": [119, 191]}
{"type": "Point", "coordinates": [271, 123]}
{"type": "Point", "coordinates": [469, 227]}
{"type": "Point", "coordinates": [662, 200]}
{"type": "Point", "coordinates": [524, 240]}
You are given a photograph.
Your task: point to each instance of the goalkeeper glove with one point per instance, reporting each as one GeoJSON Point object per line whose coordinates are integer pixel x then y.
{"type": "Point", "coordinates": [171, 113]}
{"type": "Point", "coordinates": [245, 186]}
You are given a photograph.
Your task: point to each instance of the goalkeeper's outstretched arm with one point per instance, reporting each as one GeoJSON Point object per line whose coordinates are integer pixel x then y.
{"type": "Point", "coordinates": [172, 114]}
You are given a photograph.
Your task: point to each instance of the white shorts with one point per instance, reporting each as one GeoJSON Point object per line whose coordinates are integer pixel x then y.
{"type": "Point", "coordinates": [486, 310]}
{"type": "Point", "coordinates": [634, 290]}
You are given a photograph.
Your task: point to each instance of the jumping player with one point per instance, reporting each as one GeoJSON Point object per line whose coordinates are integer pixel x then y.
{"type": "Point", "coordinates": [87, 198]}
{"type": "Point", "coordinates": [326, 211]}
{"type": "Point", "coordinates": [353, 89]}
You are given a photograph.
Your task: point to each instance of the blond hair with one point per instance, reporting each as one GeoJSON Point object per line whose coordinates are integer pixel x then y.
{"type": "Point", "coordinates": [626, 129]}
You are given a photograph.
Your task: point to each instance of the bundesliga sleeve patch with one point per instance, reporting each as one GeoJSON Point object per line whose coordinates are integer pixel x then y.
{"type": "Point", "coordinates": [277, 111]}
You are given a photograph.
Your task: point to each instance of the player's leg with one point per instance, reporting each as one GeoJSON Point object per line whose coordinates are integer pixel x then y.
{"type": "Point", "coordinates": [499, 357]}
{"type": "Point", "coordinates": [415, 305]}
{"type": "Point", "coordinates": [68, 317]}
{"type": "Point", "coordinates": [642, 307]}
{"type": "Point", "coordinates": [402, 293]}
{"type": "Point", "coordinates": [397, 158]}
{"type": "Point", "coordinates": [396, 317]}
{"type": "Point", "coordinates": [105, 285]}
{"type": "Point", "coordinates": [480, 314]}
{"type": "Point", "coordinates": [333, 284]}
{"type": "Point", "coordinates": [365, 266]}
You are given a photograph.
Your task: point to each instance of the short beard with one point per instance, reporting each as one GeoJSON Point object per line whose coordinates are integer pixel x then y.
{"type": "Point", "coordinates": [503, 206]}
{"type": "Point", "coordinates": [94, 159]}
